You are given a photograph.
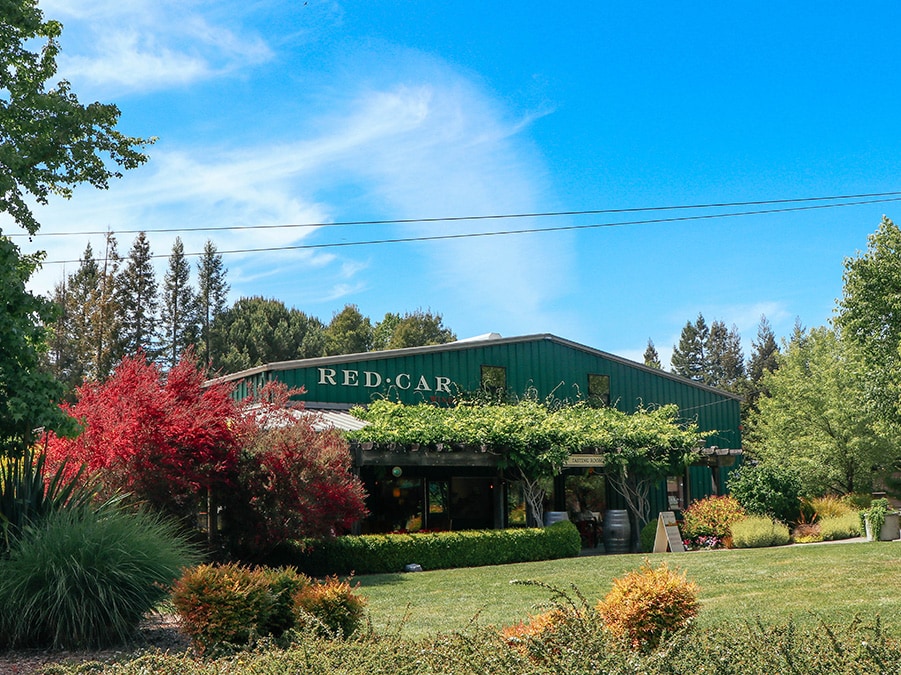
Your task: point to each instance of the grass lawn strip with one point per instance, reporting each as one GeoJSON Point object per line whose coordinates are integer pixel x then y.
{"type": "Point", "coordinates": [804, 584]}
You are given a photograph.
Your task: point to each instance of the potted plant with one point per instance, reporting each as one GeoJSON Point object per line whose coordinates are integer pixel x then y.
{"type": "Point", "coordinates": [880, 523]}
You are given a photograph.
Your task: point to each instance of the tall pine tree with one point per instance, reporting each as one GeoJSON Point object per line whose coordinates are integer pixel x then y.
{"type": "Point", "coordinates": [138, 300]}
{"type": "Point", "coordinates": [764, 359]}
{"type": "Point", "coordinates": [179, 307]}
{"type": "Point", "coordinates": [211, 296]}
{"type": "Point", "coordinates": [689, 356]}
{"type": "Point", "coordinates": [76, 299]}
{"type": "Point", "coordinates": [725, 359]}
{"type": "Point", "coordinates": [651, 357]}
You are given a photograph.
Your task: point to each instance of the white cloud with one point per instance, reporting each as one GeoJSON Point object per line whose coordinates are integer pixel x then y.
{"type": "Point", "coordinates": [143, 45]}
{"type": "Point", "coordinates": [414, 139]}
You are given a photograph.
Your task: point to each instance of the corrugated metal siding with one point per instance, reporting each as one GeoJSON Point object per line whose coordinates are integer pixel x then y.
{"type": "Point", "coordinates": [544, 364]}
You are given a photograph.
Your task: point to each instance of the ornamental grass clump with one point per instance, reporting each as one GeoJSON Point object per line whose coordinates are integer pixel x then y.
{"type": "Point", "coordinates": [83, 578]}
{"type": "Point", "coordinates": [845, 526]}
{"type": "Point", "coordinates": [759, 532]}
{"type": "Point", "coordinates": [647, 604]}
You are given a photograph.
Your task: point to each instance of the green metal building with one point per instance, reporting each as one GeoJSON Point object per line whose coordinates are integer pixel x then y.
{"type": "Point", "coordinates": [432, 490]}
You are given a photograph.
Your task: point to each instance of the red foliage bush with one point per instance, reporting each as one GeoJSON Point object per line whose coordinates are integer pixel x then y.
{"type": "Point", "coordinates": [172, 441]}
{"type": "Point", "coordinates": [164, 438]}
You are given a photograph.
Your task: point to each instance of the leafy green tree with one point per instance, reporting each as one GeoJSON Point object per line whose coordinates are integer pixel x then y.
{"type": "Point", "coordinates": [138, 300]}
{"type": "Point", "coordinates": [689, 356]}
{"type": "Point", "coordinates": [211, 296]}
{"type": "Point", "coordinates": [869, 316]}
{"type": "Point", "coordinates": [28, 392]}
{"type": "Point", "coordinates": [768, 490]}
{"type": "Point", "coordinates": [418, 329]}
{"type": "Point", "coordinates": [651, 357]}
{"type": "Point", "coordinates": [384, 330]}
{"type": "Point", "coordinates": [49, 141]}
{"type": "Point", "coordinates": [179, 310]}
{"type": "Point", "coordinates": [815, 419]}
{"type": "Point", "coordinates": [255, 331]}
{"type": "Point", "coordinates": [349, 332]}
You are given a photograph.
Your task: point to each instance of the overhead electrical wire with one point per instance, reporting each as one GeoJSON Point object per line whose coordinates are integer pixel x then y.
{"type": "Point", "coordinates": [863, 199]}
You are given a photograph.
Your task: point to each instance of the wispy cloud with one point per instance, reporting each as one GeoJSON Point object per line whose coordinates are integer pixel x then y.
{"type": "Point", "coordinates": [143, 46]}
{"type": "Point", "coordinates": [406, 135]}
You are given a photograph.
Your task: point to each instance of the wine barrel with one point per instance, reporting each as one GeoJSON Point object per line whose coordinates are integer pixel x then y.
{"type": "Point", "coordinates": [617, 531]}
{"type": "Point", "coordinates": [551, 517]}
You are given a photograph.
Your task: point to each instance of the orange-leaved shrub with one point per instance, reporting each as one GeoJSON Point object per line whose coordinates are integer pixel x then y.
{"type": "Point", "coordinates": [711, 519]}
{"type": "Point", "coordinates": [227, 606]}
{"type": "Point", "coordinates": [337, 609]}
{"type": "Point", "coordinates": [221, 605]}
{"type": "Point", "coordinates": [536, 627]}
{"type": "Point", "coordinates": [648, 603]}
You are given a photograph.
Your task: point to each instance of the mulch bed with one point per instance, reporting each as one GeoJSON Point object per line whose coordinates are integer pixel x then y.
{"type": "Point", "coordinates": [157, 631]}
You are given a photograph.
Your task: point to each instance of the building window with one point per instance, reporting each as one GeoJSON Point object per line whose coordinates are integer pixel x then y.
{"type": "Point", "coordinates": [599, 389]}
{"type": "Point", "coordinates": [494, 379]}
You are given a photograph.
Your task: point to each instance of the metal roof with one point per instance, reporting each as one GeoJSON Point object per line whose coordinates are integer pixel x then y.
{"type": "Point", "coordinates": [468, 343]}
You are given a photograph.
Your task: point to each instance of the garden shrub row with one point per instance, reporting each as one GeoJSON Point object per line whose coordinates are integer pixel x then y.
{"type": "Point", "coordinates": [577, 645]}
{"type": "Point", "coordinates": [388, 553]}
{"type": "Point", "coordinates": [230, 606]}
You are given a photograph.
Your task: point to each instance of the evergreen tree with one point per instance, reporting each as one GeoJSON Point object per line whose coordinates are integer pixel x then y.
{"type": "Point", "coordinates": [79, 293]}
{"type": "Point", "coordinates": [255, 331]}
{"type": "Point", "coordinates": [799, 333]}
{"type": "Point", "coordinates": [349, 332]}
{"type": "Point", "coordinates": [65, 365]}
{"type": "Point", "coordinates": [418, 329]}
{"type": "Point", "coordinates": [179, 308]}
{"type": "Point", "coordinates": [211, 297]}
{"type": "Point", "coordinates": [138, 300]}
{"type": "Point", "coordinates": [764, 352]}
{"type": "Point", "coordinates": [108, 348]}
{"type": "Point", "coordinates": [689, 356]}
{"type": "Point", "coordinates": [651, 357]}
{"type": "Point", "coordinates": [725, 360]}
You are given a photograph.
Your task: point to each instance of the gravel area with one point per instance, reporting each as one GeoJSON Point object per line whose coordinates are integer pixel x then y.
{"type": "Point", "coordinates": [157, 631]}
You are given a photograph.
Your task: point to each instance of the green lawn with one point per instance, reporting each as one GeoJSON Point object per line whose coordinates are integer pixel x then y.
{"type": "Point", "coordinates": [801, 583]}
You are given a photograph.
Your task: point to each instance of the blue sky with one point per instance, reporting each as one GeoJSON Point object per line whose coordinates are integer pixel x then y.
{"type": "Point", "coordinates": [271, 112]}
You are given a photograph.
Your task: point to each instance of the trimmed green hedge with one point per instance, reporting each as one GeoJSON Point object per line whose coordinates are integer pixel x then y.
{"type": "Point", "coordinates": [387, 553]}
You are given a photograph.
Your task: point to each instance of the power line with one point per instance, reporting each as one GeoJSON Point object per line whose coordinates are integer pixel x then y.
{"type": "Point", "coordinates": [449, 219]}
{"type": "Point", "coordinates": [560, 228]}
